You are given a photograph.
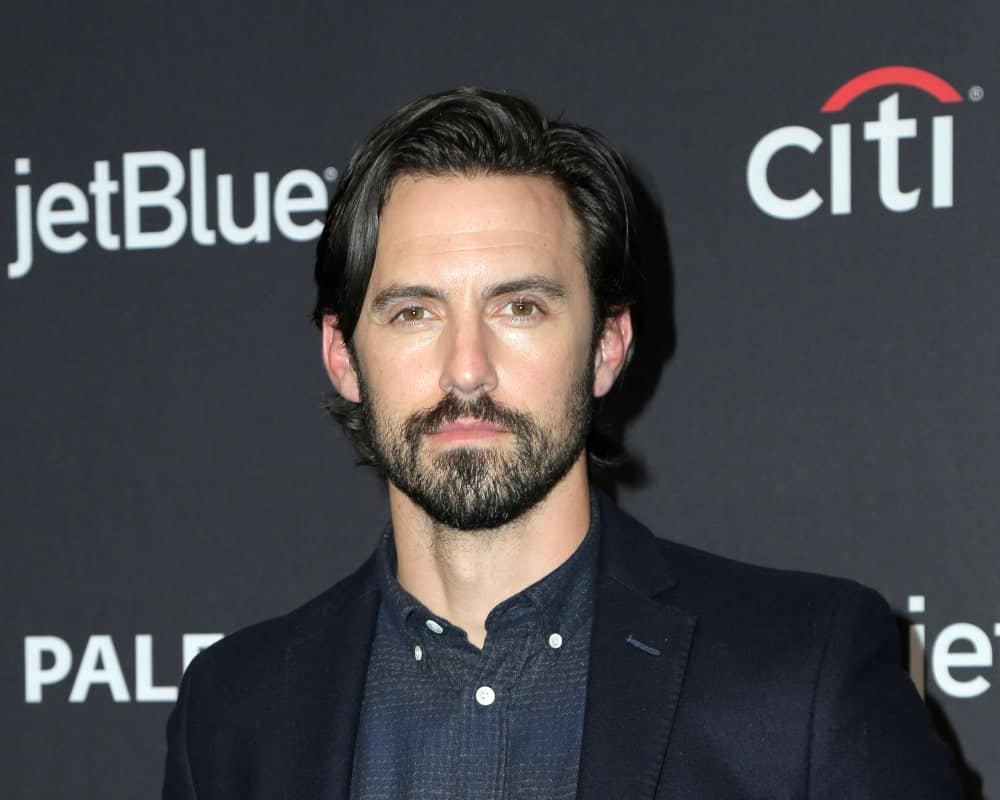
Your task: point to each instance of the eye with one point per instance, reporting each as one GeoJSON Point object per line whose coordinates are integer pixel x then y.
{"type": "Point", "coordinates": [411, 314]}
{"type": "Point", "coordinates": [522, 308]}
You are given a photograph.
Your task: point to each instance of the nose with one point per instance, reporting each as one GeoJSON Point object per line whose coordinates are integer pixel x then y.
{"type": "Point", "coordinates": [468, 364]}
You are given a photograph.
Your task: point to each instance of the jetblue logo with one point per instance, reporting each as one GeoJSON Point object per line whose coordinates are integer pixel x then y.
{"type": "Point", "coordinates": [958, 658]}
{"type": "Point", "coordinates": [65, 217]}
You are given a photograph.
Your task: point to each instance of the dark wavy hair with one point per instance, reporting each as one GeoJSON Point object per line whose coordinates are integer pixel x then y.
{"type": "Point", "coordinates": [470, 132]}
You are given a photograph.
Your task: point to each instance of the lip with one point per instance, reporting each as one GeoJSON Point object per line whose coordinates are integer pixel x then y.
{"type": "Point", "coordinates": [467, 429]}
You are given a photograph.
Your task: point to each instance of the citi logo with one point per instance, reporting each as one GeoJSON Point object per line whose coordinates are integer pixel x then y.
{"type": "Point", "coordinates": [173, 193]}
{"type": "Point", "coordinates": [886, 132]}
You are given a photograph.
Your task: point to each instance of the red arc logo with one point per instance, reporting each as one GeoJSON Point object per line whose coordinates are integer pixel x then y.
{"type": "Point", "coordinates": [891, 76]}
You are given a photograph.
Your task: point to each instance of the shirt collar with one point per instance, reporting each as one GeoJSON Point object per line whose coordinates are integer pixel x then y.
{"type": "Point", "coordinates": [561, 601]}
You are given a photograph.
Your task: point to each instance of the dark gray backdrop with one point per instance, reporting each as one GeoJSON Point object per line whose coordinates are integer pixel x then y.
{"type": "Point", "coordinates": [167, 470]}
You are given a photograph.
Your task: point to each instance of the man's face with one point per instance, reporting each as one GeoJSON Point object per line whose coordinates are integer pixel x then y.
{"type": "Point", "coordinates": [474, 346]}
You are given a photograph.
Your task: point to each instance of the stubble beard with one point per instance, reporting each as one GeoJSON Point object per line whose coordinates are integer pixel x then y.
{"type": "Point", "coordinates": [484, 487]}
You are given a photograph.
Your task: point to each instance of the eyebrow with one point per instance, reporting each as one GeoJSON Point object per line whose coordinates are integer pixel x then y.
{"type": "Point", "coordinates": [395, 293]}
{"type": "Point", "coordinates": [531, 283]}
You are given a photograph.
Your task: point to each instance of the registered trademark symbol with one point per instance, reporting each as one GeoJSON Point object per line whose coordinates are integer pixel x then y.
{"type": "Point", "coordinates": [976, 93]}
{"type": "Point", "coordinates": [330, 174]}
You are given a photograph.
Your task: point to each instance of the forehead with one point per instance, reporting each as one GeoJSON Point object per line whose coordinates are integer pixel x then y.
{"type": "Point", "coordinates": [450, 228]}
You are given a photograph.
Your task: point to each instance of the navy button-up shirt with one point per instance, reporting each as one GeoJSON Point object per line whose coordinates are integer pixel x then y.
{"type": "Point", "coordinates": [442, 719]}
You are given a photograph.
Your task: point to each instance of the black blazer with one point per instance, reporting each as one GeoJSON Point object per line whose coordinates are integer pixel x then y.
{"type": "Point", "coordinates": [767, 684]}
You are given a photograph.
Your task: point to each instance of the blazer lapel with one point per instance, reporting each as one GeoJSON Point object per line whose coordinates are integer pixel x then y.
{"type": "Point", "coordinates": [638, 654]}
{"type": "Point", "coordinates": [324, 692]}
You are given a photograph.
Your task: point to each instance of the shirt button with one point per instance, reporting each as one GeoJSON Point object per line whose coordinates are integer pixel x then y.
{"type": "Point", "coordinates": [434, 626]}
{"type": "Point", "coordinates": [418, 653]}
{"type": "Point", "coordinates": [555, 641]}
{"type": "Point", "coordinates": [485, 696]}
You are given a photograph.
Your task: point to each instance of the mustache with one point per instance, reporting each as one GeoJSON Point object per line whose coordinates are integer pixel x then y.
{"type": "Point", "coordinates": [483, 408]}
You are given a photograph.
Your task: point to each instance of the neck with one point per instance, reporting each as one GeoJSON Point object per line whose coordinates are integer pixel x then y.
{"type": "Point", "coordinates": [462, 575]}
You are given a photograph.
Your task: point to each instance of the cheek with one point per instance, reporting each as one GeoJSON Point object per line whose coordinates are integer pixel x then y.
{"type": "Point", "coordinates": [403, 381]}
{"type": "Point", "coordinates": [541, 377]}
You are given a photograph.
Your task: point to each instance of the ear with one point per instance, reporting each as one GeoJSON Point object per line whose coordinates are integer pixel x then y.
{"type": "Point", "coordinates": [612, 351]}
{"type": "Point", "coordinates": [338, 362]}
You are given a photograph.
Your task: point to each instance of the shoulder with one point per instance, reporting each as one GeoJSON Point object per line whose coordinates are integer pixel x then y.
{"type": "Point", "coordinates": [794, 626]}
{"type": "Point", "coordinates": [754, 624]}
{"type": "Point", "coordinates": [815, 663]}
{"type": "Point", "coordinates": [256, 693]}
{"type": "Point", "coordinates": [791, 622]}
{"type": "Point", "coordinates": [715, 588]}
{"type": "Point", "coordinates": [267, 647]}
{"type": "Point", "coordinates": [717, 583]}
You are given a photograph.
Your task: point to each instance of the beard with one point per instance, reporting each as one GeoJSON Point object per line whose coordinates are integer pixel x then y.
{"type": "Point", "coordinates": [479, 488]}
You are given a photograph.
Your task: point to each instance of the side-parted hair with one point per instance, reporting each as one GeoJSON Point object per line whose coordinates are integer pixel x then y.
{"type": "Point", "coordinates": [470, 132]}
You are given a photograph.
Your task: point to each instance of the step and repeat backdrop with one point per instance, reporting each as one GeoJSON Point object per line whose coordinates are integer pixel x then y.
{"type": "Point", "coordinates": [816, 387]}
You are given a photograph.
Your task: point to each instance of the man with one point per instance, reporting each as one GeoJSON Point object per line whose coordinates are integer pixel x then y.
{"type": "Point", "coordinates": [516, 635]}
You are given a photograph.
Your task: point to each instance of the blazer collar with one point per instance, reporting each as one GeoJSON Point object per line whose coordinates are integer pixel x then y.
{"type": "Point", "coordinates": [638, 655]}
{"type": "Point", "coordinates": [630, 554]}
